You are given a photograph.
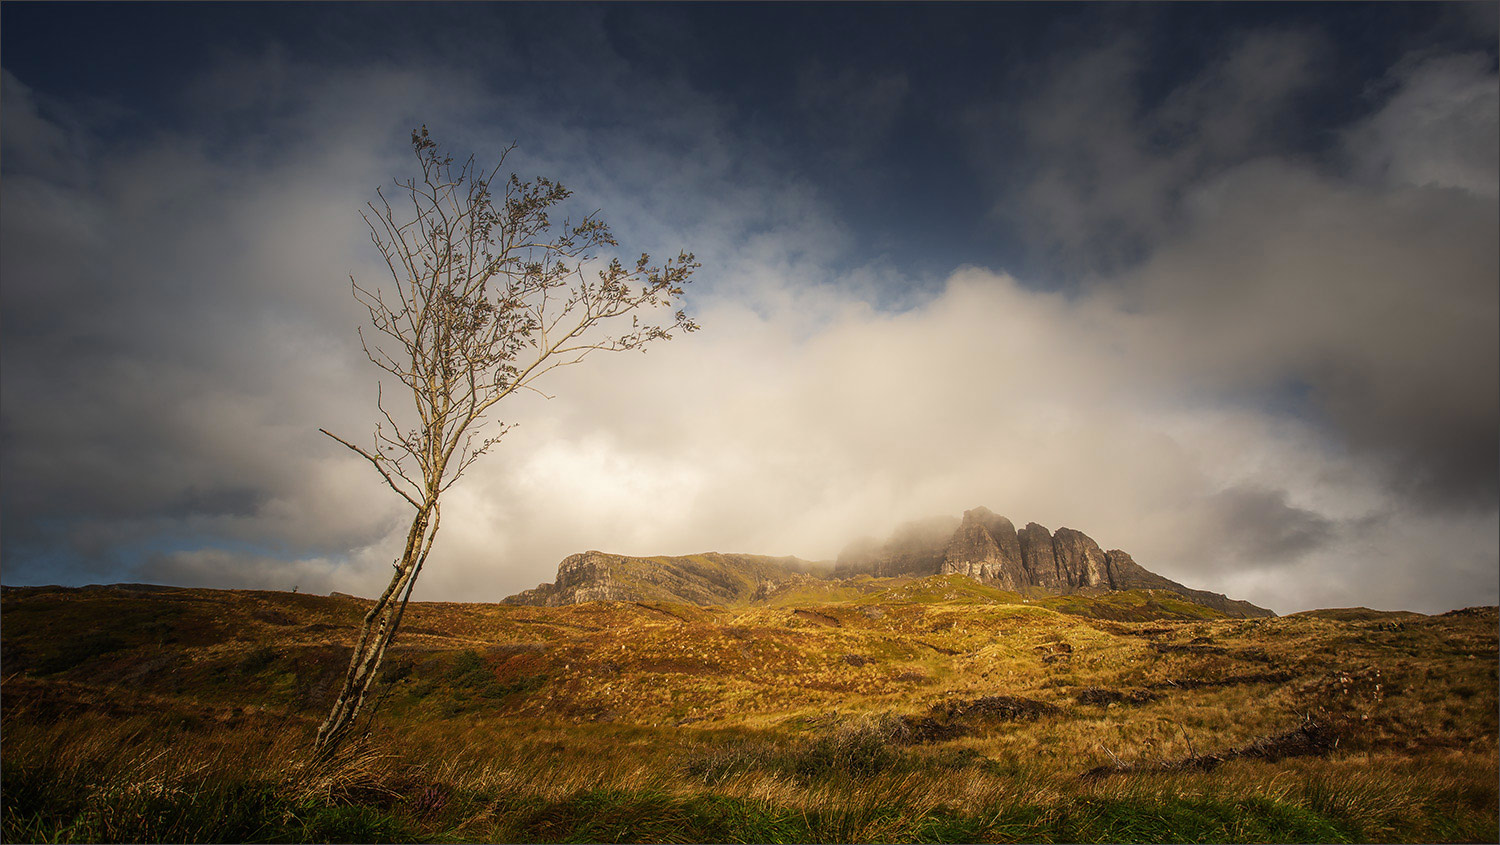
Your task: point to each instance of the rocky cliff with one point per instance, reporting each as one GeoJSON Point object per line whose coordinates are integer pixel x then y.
{"type": "Point", "coordinates": [988, 548]}
{"type": "Point", "coordinates": [983, 545]}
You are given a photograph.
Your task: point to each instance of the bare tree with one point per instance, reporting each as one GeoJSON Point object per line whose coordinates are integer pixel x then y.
{"type": "Point", "coordinates": [485, 296]}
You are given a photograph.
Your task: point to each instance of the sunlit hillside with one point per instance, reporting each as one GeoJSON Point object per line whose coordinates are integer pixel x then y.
{"type": "Point", "coordinates": [874, 710]}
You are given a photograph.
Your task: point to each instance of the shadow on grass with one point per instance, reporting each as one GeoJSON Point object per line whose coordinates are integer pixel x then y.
{"type": "Point", "coordinates": [609, 816]}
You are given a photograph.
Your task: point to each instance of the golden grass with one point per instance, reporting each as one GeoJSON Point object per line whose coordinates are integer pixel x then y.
{"type": "Point", "coordinates": [752, 705]}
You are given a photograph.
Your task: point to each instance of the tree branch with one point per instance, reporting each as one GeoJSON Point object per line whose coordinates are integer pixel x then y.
{"type": "Point", "coordinates": [375, 460]}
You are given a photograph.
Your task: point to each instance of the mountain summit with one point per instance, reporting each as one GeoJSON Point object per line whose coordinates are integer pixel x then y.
{"type": "Point", "coordinates": [982, 545]}
{"type": "Point", "coordinates": [987, 547]}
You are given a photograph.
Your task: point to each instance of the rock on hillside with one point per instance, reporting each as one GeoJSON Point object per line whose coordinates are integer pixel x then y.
{"type": "Point", "coordinates": [983, 545]}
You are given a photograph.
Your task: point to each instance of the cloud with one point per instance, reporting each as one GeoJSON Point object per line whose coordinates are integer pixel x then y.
{"type": "Point", "coordinates": [1039, 406]}
{"type": "Point", "coordinates": [1104, 166]}
{"type": "Point", "coordinates": [1437, 129]}
{"type": "Point", "coordinates": [178, 323]}
{"type": "Point", "coordinates": [1256, 526]}
{"type": "Point", "coordinates": [358, 574]}
{"type": "Point", "coordinates": [169, 353]}
{"type": "Point", "coordinates": [1287, 393]}
{"type": "Point", "coordinates": [31, 141]}
{"type": "Point", "coordinates": [1376, 306]}
{"type": "Point", "coordinates": [1296, 382]}
{"type": "Point", "coordinates": [1355, 283]}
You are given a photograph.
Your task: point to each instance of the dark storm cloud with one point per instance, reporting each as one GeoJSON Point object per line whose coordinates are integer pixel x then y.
{"type": "Point", "coordinates": [159, 358]}
{"type": "Point", "coordinates": [1366, 280]}
{"type": "Point", "coordinates": [1105, 168]}
{"type": "Point", "coordinates": [1377, 298]}
{"type": "Point", "coordinates": [1255, 527]}
{"type": "Point", "coordinates": [1258, 349]}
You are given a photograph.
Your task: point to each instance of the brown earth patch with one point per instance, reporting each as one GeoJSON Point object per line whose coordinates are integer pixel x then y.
{"type": "Point", "coordinates": [1175, 648]}
{"type": "Point", "coordinates": [949, 720]}
{"type": "Point", "coordinates": [1309, 739]}
{"type": "Point", "coordinates": [1055, 652]}
{"type": "Point", "coordinates": [994, 707]}
{"type": "Point", "coordinates": [273, 617]}
{"type": "Point", "coordinates": [1106, 697]}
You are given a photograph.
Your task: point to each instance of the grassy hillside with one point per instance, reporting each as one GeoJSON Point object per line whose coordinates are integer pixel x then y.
{"type": "Point", "coordinates": [703, 579]}
{"type": "Point", "coordinates": [876, 709]}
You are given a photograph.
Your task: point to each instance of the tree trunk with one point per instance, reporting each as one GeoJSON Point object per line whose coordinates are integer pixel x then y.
{"type": "Point", "coordinates": [375, 635]}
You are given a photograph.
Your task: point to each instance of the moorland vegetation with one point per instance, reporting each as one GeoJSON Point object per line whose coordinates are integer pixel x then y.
{"type": "Point", "coordinates": [932, 709]}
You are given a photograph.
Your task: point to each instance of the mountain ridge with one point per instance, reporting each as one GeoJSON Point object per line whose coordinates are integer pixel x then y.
{"type": "Point", "coordinates": [702, 579]}
{"type": "Point", "coordinates": [982, 546]}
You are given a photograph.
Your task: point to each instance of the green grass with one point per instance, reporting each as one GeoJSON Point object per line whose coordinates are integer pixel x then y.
{"type": "Point", "coordinates": [41, 805]}
{"type": "Point", "coordinates": [254, 812]}
{"type": "Point", "coordinates": [1167, 820]}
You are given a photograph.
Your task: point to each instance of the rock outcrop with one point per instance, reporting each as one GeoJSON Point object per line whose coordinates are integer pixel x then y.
{"type": "Point", "coordinates": [982, 545]}
{"type": "Point", "coordinates": [1080, 560]}
{"type": "Point", "coordinates": [1039, 558]}
{"type": "Point", "coordinates": [705, 579]}
{"type": "Point", "coordinates": [988, 548]}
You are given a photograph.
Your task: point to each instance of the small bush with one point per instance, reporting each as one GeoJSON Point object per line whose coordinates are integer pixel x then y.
{"type": "Point", "coordinates": [430, 800]}
{"type": "Point", "coordinates": [1105, 697]}
{"type": "Point", "coordinates": [397, 671]}
{"type": "Point", "coordinates": [258, 660]}
{"type": "Point", "coordinates": [468, 670]}
{"type": "Point", "coordinates": [522, 685]}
